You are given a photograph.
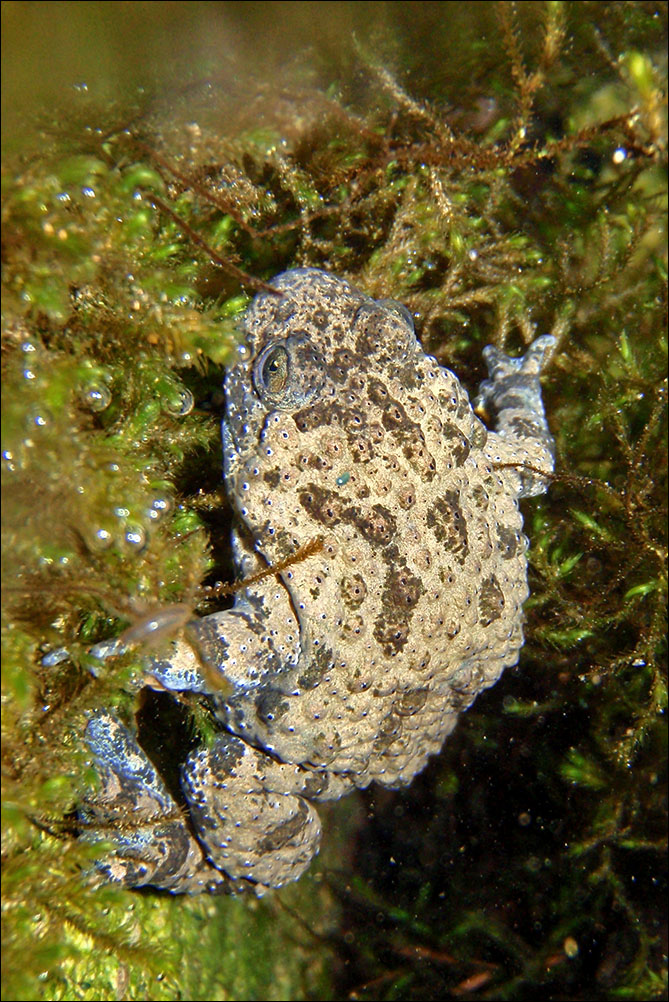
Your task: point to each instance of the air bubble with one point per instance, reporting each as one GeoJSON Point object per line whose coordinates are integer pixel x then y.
{"type": "Point", "coordinates": [135, 537]}
{"type": "Point", "coordinates": [160, 506]}
{"type": "Point", "coordinates": [37, 419]}
{"type": "Point", "coordinates": [179, 402]}
{"type": "Point", "coordinates": [101, 538]}
{"type": "Point", "coordinates": [96, 396]}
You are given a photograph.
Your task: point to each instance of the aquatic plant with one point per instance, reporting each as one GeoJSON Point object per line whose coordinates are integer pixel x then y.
{"type": "Point", "coordinates": [132, 238]}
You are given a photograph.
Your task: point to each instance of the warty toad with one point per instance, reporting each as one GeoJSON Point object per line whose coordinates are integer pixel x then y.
{"type": "Point", "coordinates": [352, 664]}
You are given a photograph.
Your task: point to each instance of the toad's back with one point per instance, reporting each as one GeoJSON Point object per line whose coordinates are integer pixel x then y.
{"type": "Point", "coordinates": [414, 603]}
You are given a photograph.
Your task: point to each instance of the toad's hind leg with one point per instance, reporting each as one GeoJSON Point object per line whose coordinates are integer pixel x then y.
{"type": "Point", "coordinates": [251, 813]}
{"type": "Point", "coordinates": [134, 811]}
{"type": "Point", "coordinates": [513, 393]}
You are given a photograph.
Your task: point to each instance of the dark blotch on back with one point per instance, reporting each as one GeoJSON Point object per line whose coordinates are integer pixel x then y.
{"type": "Point", "coordinates": [491, 601]}
{"type": "Point", "coordinates": [401, 591]}
{"type": "Point", "coordinates": [375, 522]}
{"type": "Point", "coordinates": [446, 521]}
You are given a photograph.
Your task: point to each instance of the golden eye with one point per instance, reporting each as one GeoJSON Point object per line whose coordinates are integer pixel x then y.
{"type": "Point", "coordinates": [274, 372]}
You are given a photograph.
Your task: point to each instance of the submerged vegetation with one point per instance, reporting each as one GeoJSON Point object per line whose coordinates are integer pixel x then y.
{"type": "Point", "coordinates": [505, 195]}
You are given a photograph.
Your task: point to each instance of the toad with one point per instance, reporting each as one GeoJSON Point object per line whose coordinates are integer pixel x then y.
{"type": "Point", "coordinates": [351, 665]}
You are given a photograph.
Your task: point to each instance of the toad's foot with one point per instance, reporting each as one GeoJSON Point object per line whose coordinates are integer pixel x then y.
{"type": "Point", "coordinates": [249, 812]}
{"type": "Point", "coordinates": [133, 810]}
{"type": "Point", "coordinates": [513, 394]}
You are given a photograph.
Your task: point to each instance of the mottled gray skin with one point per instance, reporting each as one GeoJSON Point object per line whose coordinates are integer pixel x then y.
{"type": "Point", "coordinates": [353, 664]}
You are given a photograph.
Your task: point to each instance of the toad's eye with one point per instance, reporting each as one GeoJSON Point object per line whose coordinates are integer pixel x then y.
{"type": "Point", "coordinates": [274, 370]}
{"type": "Point", "coordinates": [288, 373]}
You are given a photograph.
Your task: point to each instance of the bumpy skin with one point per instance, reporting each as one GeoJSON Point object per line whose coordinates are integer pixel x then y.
{"type": "Point", "coordinates": [352, 664]}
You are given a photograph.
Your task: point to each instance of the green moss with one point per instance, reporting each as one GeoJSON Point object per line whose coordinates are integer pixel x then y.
{"type": "Point", "coordinates": [500, 193]}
